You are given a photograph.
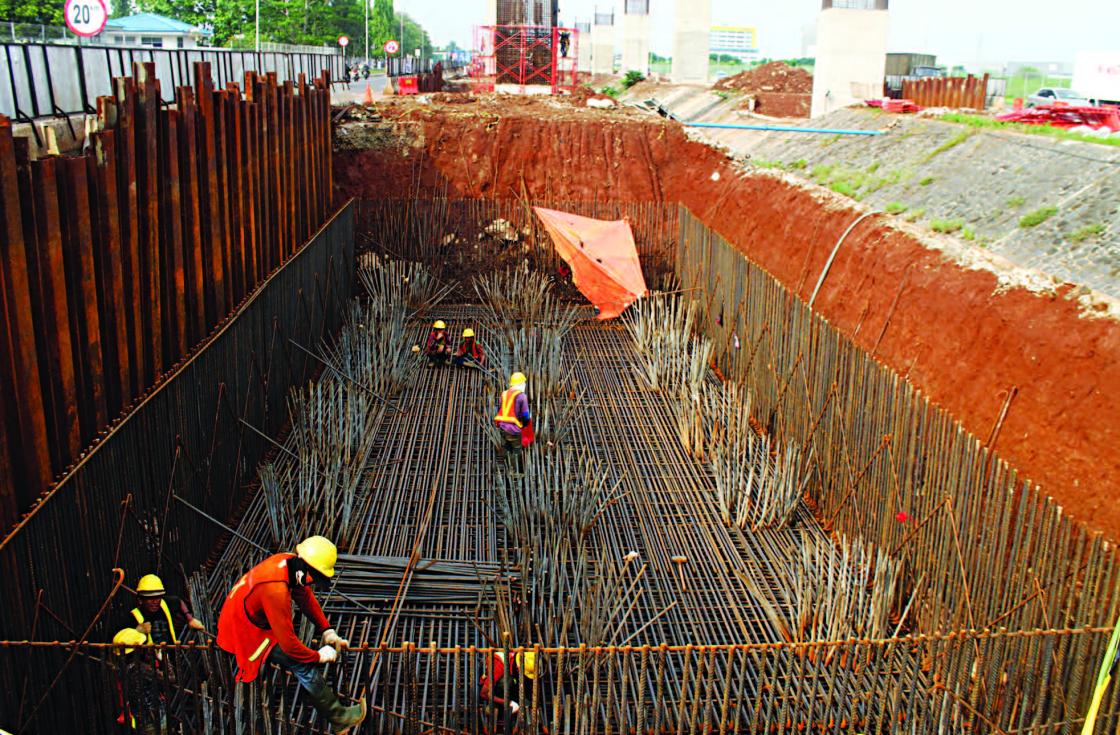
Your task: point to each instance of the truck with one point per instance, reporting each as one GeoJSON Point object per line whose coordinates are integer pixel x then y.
{"type": "Point", "coordinates": [1096, 75]}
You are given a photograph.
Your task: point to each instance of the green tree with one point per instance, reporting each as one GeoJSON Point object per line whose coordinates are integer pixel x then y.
{"type": "Point", "coordinates": [382, 26]}
{"type": "Point", "coordinates": [414, 36]}
{"type": "Point", "coordinates": [195, 12]}
{"type": "Point", "coordinates": [46, 12]}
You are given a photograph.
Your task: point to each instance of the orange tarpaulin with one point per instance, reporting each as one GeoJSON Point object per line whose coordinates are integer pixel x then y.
{"type": "Point", "coordinates": [604, 260]}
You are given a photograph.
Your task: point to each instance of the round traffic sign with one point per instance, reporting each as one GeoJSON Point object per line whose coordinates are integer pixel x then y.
{"type": "Point", "coordinates": [86, 17]}
{"type": "Point", "coordinates": [392, 47]}
{"type": "Point", "coordinates": [343, 41]}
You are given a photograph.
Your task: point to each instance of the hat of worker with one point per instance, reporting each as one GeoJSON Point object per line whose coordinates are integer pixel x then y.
{"type": "Point", "coordinates": [440, 324]}
{"type": "Point", "coordinates": [468, 332]}
{"type": "Point", "coordinates": [527, 663]}
{"type": "Point", "coordinates": [129, 637]}
{"type": "Point", "coordinates": [517, 380]}
{"type": "Point", "coordinates": [319, 553]}
{"type": "Point", "coordinates": [149, 586]}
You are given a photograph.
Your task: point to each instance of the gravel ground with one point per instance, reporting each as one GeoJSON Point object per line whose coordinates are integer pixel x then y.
{"type": "Point", "coordinates": [1045, 204]}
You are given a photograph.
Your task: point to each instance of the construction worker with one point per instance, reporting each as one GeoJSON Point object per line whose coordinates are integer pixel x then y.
{"type": "Point", "coordinates": [138, 697]}
{"type": "Point", "coordinates": [160, 618]}
{"type": "Point", "coordinates": [499, 692]}
{"type": "Point", "coordinates": [256, 625]}
{"type": "Point", "coordinates": [469, 352]}
{"type": "Point", "coordinates": [515, 422]}
{"type": "Point", "coordinates": [436, 348]}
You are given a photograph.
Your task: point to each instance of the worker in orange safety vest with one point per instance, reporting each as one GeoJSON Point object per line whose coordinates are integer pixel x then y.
{"type": "Point", "coordinates": [256, 625]}
{"type": "Point", "coordinates": [515, 423]}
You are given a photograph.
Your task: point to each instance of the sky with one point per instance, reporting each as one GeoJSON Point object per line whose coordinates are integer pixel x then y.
{"type": "Point", "coordinates": [975, 33]}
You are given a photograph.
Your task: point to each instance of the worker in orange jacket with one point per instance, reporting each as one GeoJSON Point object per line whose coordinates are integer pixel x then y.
{"type": "Point", "coordinates": [256, 625]}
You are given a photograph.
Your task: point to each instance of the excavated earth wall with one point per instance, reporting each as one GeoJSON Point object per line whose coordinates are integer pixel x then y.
{"type": "Point", "coordinates": [962, 325]}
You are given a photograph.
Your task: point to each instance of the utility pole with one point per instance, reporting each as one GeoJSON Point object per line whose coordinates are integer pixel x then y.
{"type": "Point", "coordinates": [367, 2]}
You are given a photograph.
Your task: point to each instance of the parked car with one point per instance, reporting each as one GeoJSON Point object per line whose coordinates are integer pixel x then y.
{"type": "Point", "coordinates": [1058, 95]}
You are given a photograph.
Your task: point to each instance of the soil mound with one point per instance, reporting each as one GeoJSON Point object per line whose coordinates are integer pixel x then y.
{"type": "Point", "coordinates": [773, 77]}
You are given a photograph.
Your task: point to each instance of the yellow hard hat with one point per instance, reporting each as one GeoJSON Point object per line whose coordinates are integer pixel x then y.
{"type": "Point", "coordinates": [527, 662]}
{"type": "Point", "coordinates": [150, 586]}
{"type": "Point", "coordinates": [439, 324]}
{"type": "Point", "coordinates": [468, 332]}
{"type": "Point", "coordinates": [129, 637]}
{"type": "Point", "coordinates": [517, 379]}
{"type": "Point", "coordinates": [320, 553]}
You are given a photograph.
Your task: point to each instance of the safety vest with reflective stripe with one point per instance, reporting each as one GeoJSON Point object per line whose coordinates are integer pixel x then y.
{"type": "Point", "coordinates": [507, 414]}
{"type": "Point", "coordinates": [167, 613]}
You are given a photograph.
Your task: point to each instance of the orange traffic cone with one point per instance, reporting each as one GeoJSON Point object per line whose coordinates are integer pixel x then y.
{"type": "Point", "coordinates": [368, 99]}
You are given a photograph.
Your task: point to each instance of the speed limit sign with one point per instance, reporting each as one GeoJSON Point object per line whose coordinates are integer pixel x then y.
{"type": "Point", "coordinates": [392, 47]}
{"type": "Point", "coordinates": [343, 41]}
{"type": "Point", "coordinates": [86, 17]}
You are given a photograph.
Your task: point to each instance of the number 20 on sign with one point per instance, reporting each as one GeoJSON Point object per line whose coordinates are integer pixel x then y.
{"type": "Point", "coordinates": [86, 17]}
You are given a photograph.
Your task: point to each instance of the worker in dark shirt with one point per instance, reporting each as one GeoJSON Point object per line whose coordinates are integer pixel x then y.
{"type": "Point", "coordinates": [436, 349]}
{"type": "Point", "coordinates": [160, 617]}
{"type": "Point", "coordinates": [139, 702]}
{"type": "Point", "coordinates": [470, 351]}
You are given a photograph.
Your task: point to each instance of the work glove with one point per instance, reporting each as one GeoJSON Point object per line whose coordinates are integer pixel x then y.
{"type": "Point", "coordinates": [331, 638]}
{"type": "Point", "coordinates": [514, 707]}
{"type": "Point", "coordinates": [328, 654]}
{"type": "Point", "coordinates": [196, 624]}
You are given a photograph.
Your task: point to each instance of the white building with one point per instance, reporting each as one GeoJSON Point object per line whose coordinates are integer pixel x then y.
{"type": "Point", "coordinates": [157, 31]}
{"type": "Point", "coordinates": [738, 41]}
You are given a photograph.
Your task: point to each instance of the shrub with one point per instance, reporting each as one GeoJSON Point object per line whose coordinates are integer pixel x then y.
{"type": "Point", "coordinates": [631, 78]}
{"type": "Point", "coordinates": [1037, 217]}
{"type": "Point", "coordinates": [1084, 233]}
{"type": "Point", "coordinates": [947, 226]}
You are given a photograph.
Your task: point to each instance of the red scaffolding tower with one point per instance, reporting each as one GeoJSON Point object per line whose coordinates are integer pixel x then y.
{"type": "Point", "coordinates": [525, 56]}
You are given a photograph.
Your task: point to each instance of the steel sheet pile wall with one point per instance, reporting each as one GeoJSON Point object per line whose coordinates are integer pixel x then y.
{"type": "Point", "coordinates": [114, 263]}
{"type": "Point", "coordinates": [195, 436]}
{"type": "Point", "coordinates": [982, 548]}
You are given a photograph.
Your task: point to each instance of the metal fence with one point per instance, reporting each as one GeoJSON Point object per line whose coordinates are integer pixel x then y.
{"type": "Point", "coordinates": [118, 261]}
{"type": "Point", "coordinates": [44, 79]}
{"type": "Point", "coordinates": [195, 437]}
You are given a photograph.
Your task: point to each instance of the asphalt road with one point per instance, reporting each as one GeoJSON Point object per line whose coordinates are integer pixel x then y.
{"type": "Point", "coordinates": [356, 91]}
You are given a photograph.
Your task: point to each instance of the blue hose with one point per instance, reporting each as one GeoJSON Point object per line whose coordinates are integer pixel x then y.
{"type": "Point", "coordinates": [784, 129]}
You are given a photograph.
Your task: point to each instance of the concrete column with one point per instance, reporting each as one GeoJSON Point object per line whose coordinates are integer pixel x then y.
{"type": "Point", "coordinates": [691, 41]}
{"type": "Point", "coordinates": [583, 39]}
{"type": "Point", "coordinates": [851, 57]}
{"type": "Point", "coordinates": [635, 37]}
{"type": "Point", "coordinates": [602, 44]}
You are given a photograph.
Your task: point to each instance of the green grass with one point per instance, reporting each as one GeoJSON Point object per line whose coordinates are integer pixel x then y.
{"type": "Point", "coordinates": [768, 164]}
{"type": "Point", "coordinates": [950, 144]}
{"type": "Point", "coordinates": [916, 214]}
{"type": "Point", "coordinates": [846, 188]}
{"type": "Point", "coordinates": [946, 226]}
{"type": "Point", "coordinates": [1015, 202]}
{"type": "Point", "coordinates": [968, 234]}
{"type": "Point", "coordinates": [610, 91]}
{"type": "Point", "coordinates": [1037, 217]}
{"type": "Point", "coordinates": [896, 208]}
{"type": "Point", "coordinates": [799, 164]}
{"type": "Point", "coordinates": [873, 167]}
{"type": "Point", "coordinates": [926, 181]}
{"type": "Point", "coordinates": [1088, 231]}
{"type": "Point", "coordinates": [990, 123]}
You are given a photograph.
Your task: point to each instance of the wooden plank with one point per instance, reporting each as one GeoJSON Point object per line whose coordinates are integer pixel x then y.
{"type": "Point", "coordinates": [110, 274]}
{"type": "Point", "coordinates": [174, 283]}
{"type": "Point", "coordinates": [193, 242]}
{"type": "Point", "coordinates": [50, 305]}
{"type": "Point", "coordinates": [147, 171]}
{"type": "Point", "coordinates": [213, 260]}
{"type": "Point", "coordinates": [85, 320]}
{"type": "Point", "coordinates": [130, 229]}
{"type": "Point", "coordinates": [19, 363]}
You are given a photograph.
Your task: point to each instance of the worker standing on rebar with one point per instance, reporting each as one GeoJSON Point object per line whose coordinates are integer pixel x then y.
{"type": "Point", "coordinates": [256, 625]}
{"type": "Point", "coordinates": [499, 690]}
{"type": "Point", "coordinates": [515, 423]}
{"type": "Point", "coordinates": [565, 42]}
{"type": "Point", "coordinates": [470, 351]}
{"type": "Point", "coordinates": [161, 618]}
{"type": "Point", "coordinates": [138, 697]}
{"type": "Point", "coordinates": [436, 348]}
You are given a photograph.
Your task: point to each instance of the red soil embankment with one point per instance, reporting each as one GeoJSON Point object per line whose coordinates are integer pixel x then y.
{"type": "Point", "coordinates": [953, 332]}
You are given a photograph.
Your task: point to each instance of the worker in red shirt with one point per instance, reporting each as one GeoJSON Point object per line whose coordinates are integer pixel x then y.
{"type": "Point", "coordinates": [256, 625]}
{"type": "Point", "coordinates": [470, 351]}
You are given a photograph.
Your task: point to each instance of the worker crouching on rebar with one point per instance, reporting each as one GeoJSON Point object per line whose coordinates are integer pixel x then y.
{"type": "Point", "coordinates": [501, 686]}
{"type": "Point", "coordinates": [515, 423]}
{"type": "Point", "coordinates": [470, 351]}
{"type": "Point", "coordinates": [256, 625]}
{"type": "Point", "coordinates": [436, 349]}
{"type": "Point", "coordinates": [139, 701]}
{"type": "Point", "coordinates": [159, 617]}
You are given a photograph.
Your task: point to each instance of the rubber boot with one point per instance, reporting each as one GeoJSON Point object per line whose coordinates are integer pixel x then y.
{"type": "Point", "coordinates": [341, 717]}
